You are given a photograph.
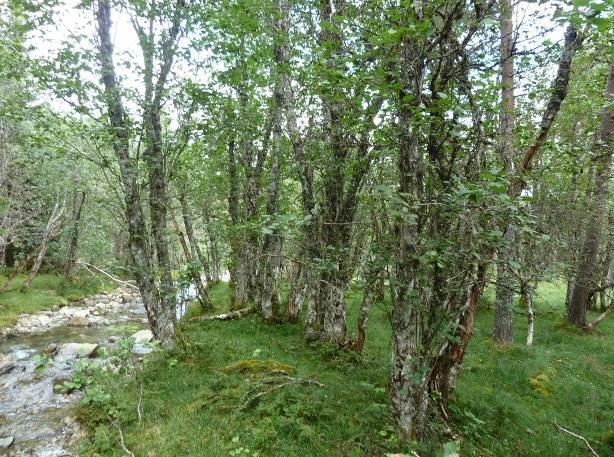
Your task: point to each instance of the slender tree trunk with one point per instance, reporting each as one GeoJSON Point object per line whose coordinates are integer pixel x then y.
{"type": "Point", "coordinates": [505, 278]}
{"type": "Point", "coordinates": [298, 288]}
{"type": "Point", "coordinates": [526, 295]}
{"type": "Point", "coordinates": [51, 230]}
{"type": "Point", "coordinates": [214, 248]}
{"type": "Point", "coordinates": [408, 379]}
{"type": "Point", "coordinates": [195, 251]}
{"type": "Point", "coordinates": [367, 300]}
{"type": "Point", "coordinates": [603, 149]}
{"type": "Point", "coordinates": [203, 296]}
{"type": "Point", "coordinates": [71, 257]}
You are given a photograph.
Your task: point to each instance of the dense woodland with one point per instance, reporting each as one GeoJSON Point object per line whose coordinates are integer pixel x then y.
{"type": "Point", "coordinates": [350, 172]}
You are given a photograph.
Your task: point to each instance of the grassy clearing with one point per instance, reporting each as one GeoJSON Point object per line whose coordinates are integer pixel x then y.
{"type": "Point", "coordinates": [196, 400]}
{"type": "Point", "coordinates": [46, 291]}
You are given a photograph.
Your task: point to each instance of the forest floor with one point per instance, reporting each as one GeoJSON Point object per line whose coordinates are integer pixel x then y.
{"type": "Point", "coordinates": [242, 388]}
{"type": "Point", "coordinates": [47, 290]}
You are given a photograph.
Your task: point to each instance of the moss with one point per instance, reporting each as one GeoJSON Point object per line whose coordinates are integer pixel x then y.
{"type": "Point", "coordinates": [257, 366]}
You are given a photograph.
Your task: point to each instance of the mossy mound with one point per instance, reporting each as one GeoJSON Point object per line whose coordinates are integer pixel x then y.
{"type": "Point", "coordinates": [255, 366]}
{"type": "Point", "coordinates": [541, 383]}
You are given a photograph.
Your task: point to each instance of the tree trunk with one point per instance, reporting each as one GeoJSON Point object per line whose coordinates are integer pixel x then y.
{"type": "Point", "coordinates": [160, 315]}
{"type": "Point", "coordinates": [526, 295]}
{"type": "Point", "coordinates": [296, 296]}
{"type": "Point", "coordinates": [505, 278]}
{"type": "Point", "coordinates": [195, 251]}
{"type": "Point", "coordinates": [584, 281]}
{"type": "Point", "coordinates": [71, 257]}
{"type": "Point", "coordinates": [367, 300]}
{"type": "Point", "coordinates": [51, 230]}
{"type": "Point", "coordinates": [272, 243]}
{"type": "Point", "coordinates": [203, 296]}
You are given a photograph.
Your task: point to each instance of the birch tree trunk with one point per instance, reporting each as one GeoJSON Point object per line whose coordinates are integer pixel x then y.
{"type": "Point", "coordinates": [272, 243]}
{"type": "Point", "coordinates": [51, 230]}
{"type": "Point", "coordinates": [71, 257]}
{"type": "Point", "coordinates": [195, 251]}
{"type": "Point", "coordinates": [505, 278]}
{"type": "Point", "coordinates": [603, 149]}
{"type": "Point", "coordinates": [203, 296]}
{"type": "Point", "coordinates": [160, 315]}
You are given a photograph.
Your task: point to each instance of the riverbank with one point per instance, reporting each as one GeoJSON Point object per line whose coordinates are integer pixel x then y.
{"type": "Point", "coordinates": [241, 388]}
{"type": "Point", "coordinates": [47, 292]}
{"type": "Point", "coordinates": [46, 359]}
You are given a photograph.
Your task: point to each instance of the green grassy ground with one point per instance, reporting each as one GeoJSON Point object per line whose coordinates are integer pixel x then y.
{"type": "Point", "coordinates": [45, 291]}
{"type": "Point", "coordinates": [195, 400]}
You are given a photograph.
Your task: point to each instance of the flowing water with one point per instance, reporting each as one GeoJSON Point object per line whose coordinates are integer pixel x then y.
{"type": "Point", "coordinates": [35, 421]}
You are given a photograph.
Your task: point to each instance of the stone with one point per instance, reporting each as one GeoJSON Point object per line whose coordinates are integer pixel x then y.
{"type": "Point", "coordinates": [100, 309]}
{"type": "Point", "coordinates": [51, 349]}
{"type": "Point", "coordinates": [55, 308]}
{"type": "Point", "coordinates": [142, 337]}
{"type": "Point", "coordinates": [7, 367]}
{"type": "Point", "coordinates": [71, 351]}
{"type": "Point", "coordinates": [78, 321]}
{"type": "Point", "coordinates": [7, 442]}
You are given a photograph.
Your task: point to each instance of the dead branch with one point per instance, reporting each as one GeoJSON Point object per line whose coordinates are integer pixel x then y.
{"type": "Point", "coordinates": [288, 381]}
{"type": "Point", "coordinates": [86, 265]}
{"type": "Point", "coordinates": [575, 435]}
{"type": "Point", "coordinates": [121, 438]}
{"type": "Point", "coordinates": [601, 317]}
{"type": "Point", "coordinates": [225, 316]}
{"type": "Point", "coordinates": [138, 406]}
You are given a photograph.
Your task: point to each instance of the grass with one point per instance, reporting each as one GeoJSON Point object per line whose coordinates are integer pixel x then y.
{"type": "Point", "coordinates": [46, 290]}
{"type": "Point", "coordinates": [194, 399]}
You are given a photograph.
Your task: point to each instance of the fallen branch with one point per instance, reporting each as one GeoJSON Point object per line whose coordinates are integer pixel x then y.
{"type": "Point", "coordinates": [121, 438]}
{"type": "Point", "coordinates": [288, 381]}
{"type": "Point", "coordinates": [601, 317]}
{"type": "Point", "coordinates": [86, 265]}
{"type": "Point", "coordinates": [226, 316]}
{"type": "Point", "coordinates": [138, 406]}
{"type": "Point", "coordinates": [575, 435]}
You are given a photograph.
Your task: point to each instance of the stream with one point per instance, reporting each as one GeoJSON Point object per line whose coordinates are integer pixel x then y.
{"type": "Point", "coordinates": [35, 421]}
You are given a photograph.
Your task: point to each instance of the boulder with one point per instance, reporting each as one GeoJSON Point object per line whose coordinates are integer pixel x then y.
{"type": "Point", "coordinates": [51, 349]}
{"type": "Point", "coordinates": [7, 442]}
{"type": "Point", "coordinates": [7, 367]}
{"type": "Point", "coordinates": [78, 321]}
{"type": "Point", "coordinates": [142, 337]}
{"type": "Point", "coordinates": [71, 351]}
